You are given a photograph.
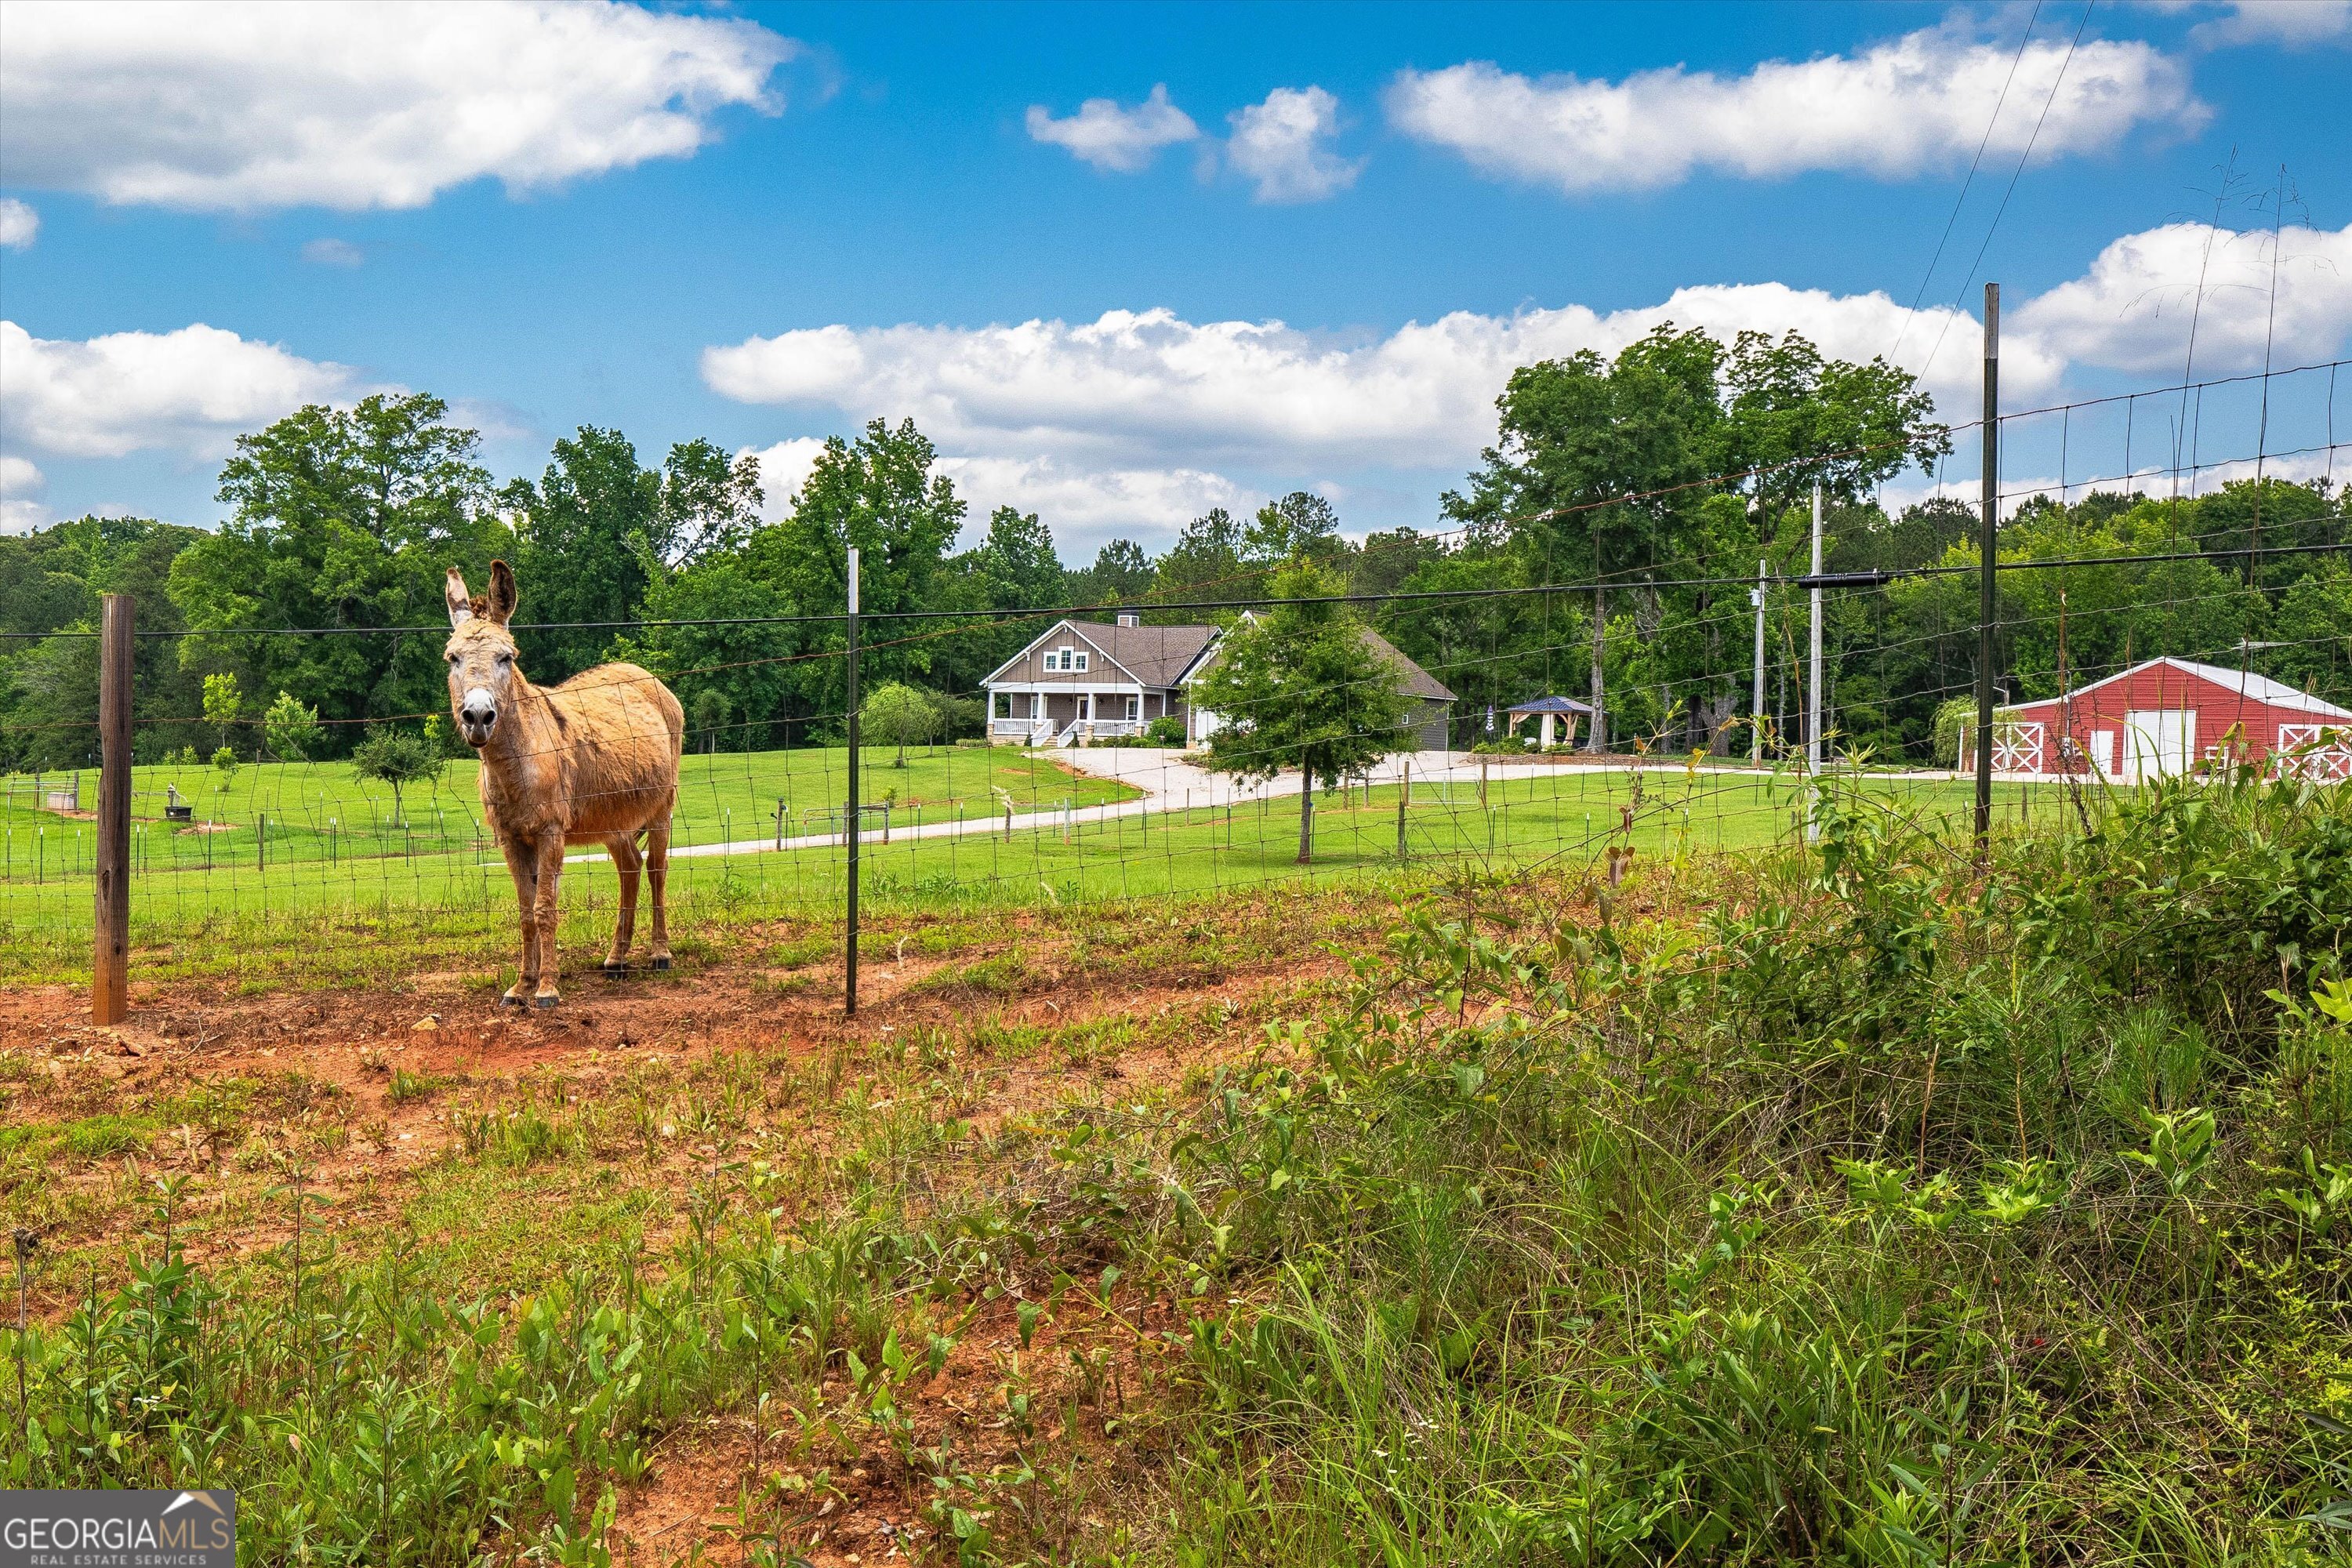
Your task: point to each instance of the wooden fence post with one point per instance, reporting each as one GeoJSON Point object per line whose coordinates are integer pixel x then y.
{"type": "Point", "coordinates": [109, 998]}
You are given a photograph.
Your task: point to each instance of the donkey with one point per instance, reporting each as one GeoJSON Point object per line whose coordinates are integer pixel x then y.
{"type": "Point", "coordinates": [594, 761]}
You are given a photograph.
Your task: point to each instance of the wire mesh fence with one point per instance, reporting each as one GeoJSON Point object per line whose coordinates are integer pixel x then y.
{"type": "Point", "coordinates": [2142, 629]}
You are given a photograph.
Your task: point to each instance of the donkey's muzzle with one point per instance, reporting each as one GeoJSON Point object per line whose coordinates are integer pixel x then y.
{"type": "Point", "coordinates": [476, 719]}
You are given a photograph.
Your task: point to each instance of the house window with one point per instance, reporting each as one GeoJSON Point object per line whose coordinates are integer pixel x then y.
{"type": "Point", "coordinates": [1069, 655]}
{"type": "Point", "coordinates": [1134, 708]}
{"type": "Point", "coordinates": [1065, 660]}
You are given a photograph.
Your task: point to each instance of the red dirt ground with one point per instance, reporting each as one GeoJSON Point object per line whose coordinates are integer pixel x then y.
{"type": "Point", "coordinates": [346, 1044]}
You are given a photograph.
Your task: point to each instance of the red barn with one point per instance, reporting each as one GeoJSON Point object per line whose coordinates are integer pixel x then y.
{"type": "Point", "coordinates": [2164, 717]}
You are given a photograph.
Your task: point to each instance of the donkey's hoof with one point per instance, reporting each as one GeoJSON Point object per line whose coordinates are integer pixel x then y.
{"type": "Point", "coordinates": [615, 969]}
{"type": "Point", "coordinates": [510, 1000]}
{"type": "Point", "coordinates": [661, 960]}
{"type": "Point", "coordinates": [545, 1002]}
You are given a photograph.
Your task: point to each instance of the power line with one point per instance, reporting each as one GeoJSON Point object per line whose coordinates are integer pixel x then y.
{"type": "Point", "coordinates": [1960, 201]}
{"type": "Point", "coordinates": [983, 619]}
{"type": "Point", "coordinates": [1626, 577]}
{"type": "Point", "coordinates": [2016, 174]}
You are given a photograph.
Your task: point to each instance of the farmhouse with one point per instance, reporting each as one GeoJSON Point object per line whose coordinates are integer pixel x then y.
{"type": "Point", "coordinates": [2164, 716]}
{"type": "Point", "coordinates": [1083, 680]}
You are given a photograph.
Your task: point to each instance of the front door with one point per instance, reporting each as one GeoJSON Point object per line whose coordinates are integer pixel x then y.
{"type": "Point", "coordinates": [2157, 741]}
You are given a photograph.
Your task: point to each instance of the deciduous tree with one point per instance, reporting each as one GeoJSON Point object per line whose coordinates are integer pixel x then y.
{"type": "Point", "coordinates": [1300, 686]}
{"type": "Point", "coordinates": [398, 758]}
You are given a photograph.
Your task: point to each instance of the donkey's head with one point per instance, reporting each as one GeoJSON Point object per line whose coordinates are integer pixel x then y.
{"type": "Point", "coordinates": [481, 654]}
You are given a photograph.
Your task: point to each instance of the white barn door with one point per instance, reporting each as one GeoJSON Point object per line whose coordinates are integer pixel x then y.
{"type": "Point", "coordinates": [2157, 741]}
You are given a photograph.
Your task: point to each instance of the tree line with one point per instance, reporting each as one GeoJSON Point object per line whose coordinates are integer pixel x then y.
{"type": "Point", "coordinates": [1606, 470]}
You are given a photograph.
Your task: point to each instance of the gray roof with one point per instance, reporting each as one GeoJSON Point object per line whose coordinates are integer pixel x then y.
{"type": "Point", "coordinates": [1417, 682]}
{"type": "Point", "coordinates": [1550, 705]}
{"type": "Point", "coordinates": [1155, 656]}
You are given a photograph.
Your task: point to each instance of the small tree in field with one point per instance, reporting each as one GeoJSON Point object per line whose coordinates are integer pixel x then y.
{"type": "Point", "coordinates": [442, 737]}
{"type": "Point", "coordinates": [1301, 686]}
{"type": "Point", "coordinates": [291, 728]}
{"type": "Point", "coordinates": [397, 758]}
{"type": "Point", "coordinates": [897, 714]}
{"type": "Point", "coordinates": [222, 702]}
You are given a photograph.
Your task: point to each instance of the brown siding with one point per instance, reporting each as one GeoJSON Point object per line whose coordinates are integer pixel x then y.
{"type": "Point", "coordinates": [1029, 669]}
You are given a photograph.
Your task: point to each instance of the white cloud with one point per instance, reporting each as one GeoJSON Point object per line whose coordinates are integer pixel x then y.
{"type": "Point", "coordinates": [1082, 503]}
{"type": "Point", "coordinates": [2132, 310]}
{"type": "Point", "coordinates": [331, 252]}
{"type": "Point", "coordinates": [2292, 23]}
{"type": "Point", "coordinates": [193, 390]}
{"type": "Point", "coordinates": [21, 485]}
{"type": "Point", "coordinates": [1123, 141]}
{"type": "Point", "coordinates": [243, 106]}
{"type": "Point", "coordinates": [19, 223]}
{"type": "Point", "coordinates": [1141, 415]}
{"type": "Point", "coordinates": [2151, 480]}
{"type": "Point", "coordinates": [1090, 503]}
{"type": "Point", "coordinates": [1918, 102]}
{"type": "Point", "coordinates": [1147, 389]}
{"type": "Point", "coordinates": [1281, 145]}
{"type": "Point", "coordinates": [783, 469]}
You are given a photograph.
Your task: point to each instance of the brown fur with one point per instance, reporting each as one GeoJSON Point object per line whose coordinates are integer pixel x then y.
{"type": "Point", "coordinates": [592, 761]}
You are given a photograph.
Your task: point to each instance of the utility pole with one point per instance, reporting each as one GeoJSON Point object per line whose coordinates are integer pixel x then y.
{"type": "Point", "coordinates": [1756, 705]}
{"type": "Point", "coordinates": [1986, 561]}
{"type": "Point", "coordinates": [1814, 705]}
{"type": "Point", "coordinates": [109, 1000]}
{"type": "Point", "coordinates": [855, 814]}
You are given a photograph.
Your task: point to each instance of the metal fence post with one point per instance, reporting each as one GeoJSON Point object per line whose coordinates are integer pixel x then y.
{"type": "Point", "coordinates": [849, 988]}
{"type": "Point", "coordinates": [1987, 558]}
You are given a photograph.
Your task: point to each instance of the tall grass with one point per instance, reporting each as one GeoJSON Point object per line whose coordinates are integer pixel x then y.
{"type": "Point", "coordinates": [1866, 1206]}
{"type": "Point", "coordinates": [364, 1417]}
{"type": "Point", "coordinates": [1899, 1213]}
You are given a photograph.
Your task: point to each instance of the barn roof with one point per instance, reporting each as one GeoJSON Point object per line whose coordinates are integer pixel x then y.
{"type": "Point", "coordinates": [2245, 683]}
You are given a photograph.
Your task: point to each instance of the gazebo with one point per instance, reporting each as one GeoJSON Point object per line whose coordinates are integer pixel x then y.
{"type": "Point", "coordinates": [1563, 709]}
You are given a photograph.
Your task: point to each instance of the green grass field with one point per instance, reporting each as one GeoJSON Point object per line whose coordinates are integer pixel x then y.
{"type": "Point", "coordinates": [1861, 1203]}
{"type": "Point", "coordinates": [269, 910]}
{"type": "Point", "coordinates": [288, 812]}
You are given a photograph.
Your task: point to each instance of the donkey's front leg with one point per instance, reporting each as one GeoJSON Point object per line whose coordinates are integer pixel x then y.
{"type": "Point", "coordinates": [522, 864]}
{"type": "Point", "coordinates": [623, 847]}
{"type": "Point", "coordinates": [550, 882]}
{"type": "Point", "coordinates": [657, 876]}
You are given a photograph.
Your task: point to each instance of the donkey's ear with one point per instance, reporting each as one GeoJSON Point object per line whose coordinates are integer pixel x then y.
{"type": "Point", "coordinates": [461, 603]}
{"type": "Point", "coordinates": [498, 604]}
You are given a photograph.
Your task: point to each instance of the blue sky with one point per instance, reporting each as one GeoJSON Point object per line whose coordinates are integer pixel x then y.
{"type": "Point", "coordinates": [1308, 259]}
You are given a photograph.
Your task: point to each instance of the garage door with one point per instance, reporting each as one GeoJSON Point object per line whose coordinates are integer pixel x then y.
{"type": "Point", "coordinates": [2157, 741]}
